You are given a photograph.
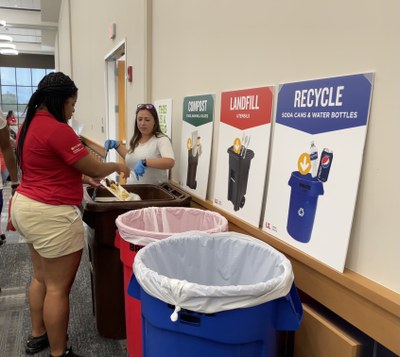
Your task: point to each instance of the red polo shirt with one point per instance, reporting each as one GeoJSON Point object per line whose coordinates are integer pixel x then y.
{"type": "Point", "coordinates": [50, 150]}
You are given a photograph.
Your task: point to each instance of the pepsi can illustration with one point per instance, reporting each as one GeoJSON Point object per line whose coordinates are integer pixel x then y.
{"type": "Point", "coordinates": [325, 164]}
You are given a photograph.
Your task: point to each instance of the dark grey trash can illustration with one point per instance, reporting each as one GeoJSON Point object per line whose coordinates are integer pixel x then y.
{"type": "Point", "coordinates": [193, 161]}
{"type": "Point", "coordinates": [239, 167]}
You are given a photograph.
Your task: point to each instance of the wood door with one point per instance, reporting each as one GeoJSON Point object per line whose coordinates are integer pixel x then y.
{"type": "Point", "coordinates": [121, 106]}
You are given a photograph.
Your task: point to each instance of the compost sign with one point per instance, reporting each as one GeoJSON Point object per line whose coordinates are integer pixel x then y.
{"type": "Point", "coordinates": [198, 110]}
{"type": "Point", "coordinates": [197, 131]}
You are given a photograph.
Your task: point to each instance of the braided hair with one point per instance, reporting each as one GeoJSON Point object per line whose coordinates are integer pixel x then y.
{"type": "Point", "coordinates": [53, 91]}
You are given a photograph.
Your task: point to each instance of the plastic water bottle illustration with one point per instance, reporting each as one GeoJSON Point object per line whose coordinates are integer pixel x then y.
{"type": "Point", "coordinates": [314, 159]}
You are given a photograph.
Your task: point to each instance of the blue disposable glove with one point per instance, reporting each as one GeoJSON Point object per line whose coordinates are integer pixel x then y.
{"type": "Point", "coordinates": [139, 169]}
{"type": "Point", "coordinates": [110, 144]}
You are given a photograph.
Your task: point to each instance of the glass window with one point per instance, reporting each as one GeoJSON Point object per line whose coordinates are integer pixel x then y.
{"type": "Point", "coordinates": [37, 75]}
{"type": "Point", "coordinates": [17, 86]}
{"type": "Point", "coordinates": [24, 94]}
{"type": "Point", "coordinates": [7, 75]}
{"type": "Point", "coordinates": [24, 77]}
{"type": "Point", "coordinates": [20, 112]}
{"type": "Point", "coordinates": [7, 107]}
{"type": "Point", "coordinates": [8, 95]}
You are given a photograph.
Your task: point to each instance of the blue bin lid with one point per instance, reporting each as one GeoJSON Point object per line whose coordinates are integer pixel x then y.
{"type": "Point", "coordinates": [306, 183]}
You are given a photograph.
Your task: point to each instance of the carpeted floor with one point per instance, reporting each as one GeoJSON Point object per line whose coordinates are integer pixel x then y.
{"type": "Point", "coordinates": [15, 271]}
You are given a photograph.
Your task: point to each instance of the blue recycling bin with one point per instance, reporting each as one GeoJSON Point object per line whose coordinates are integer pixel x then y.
{"type": "Point", "coordinates": [249, 331]}
{"type": "Point", "coordinates": [303, 205]}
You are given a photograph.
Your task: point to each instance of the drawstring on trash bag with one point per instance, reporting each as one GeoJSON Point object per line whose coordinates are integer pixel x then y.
{"type": "Point", "coordinates": [174, 316]}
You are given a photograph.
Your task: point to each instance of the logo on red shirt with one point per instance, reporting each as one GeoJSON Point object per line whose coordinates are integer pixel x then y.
{"type": "Point", "coordinates": [76, 148]}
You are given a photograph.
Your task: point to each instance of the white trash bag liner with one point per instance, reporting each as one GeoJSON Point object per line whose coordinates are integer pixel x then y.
{"type": "Point", "coordinates": [210, 273]}
{"type": "Point", "coordinates": [147, 225]}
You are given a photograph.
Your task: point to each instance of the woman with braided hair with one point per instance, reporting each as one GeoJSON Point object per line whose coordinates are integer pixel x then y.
{"type": "Point", "coordinates": [54, 164]}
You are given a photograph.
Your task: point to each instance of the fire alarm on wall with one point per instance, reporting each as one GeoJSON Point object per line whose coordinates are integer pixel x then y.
{"type": "Point", "coordinates": [129, 74]}
{"type": "Point", "coordinates": [111, 31]}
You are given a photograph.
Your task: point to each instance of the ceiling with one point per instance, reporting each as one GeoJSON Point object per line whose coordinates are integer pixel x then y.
{"type": "Point", "coordinates": [31, 23]}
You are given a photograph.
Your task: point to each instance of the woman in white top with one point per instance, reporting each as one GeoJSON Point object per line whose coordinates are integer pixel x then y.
{"type": "Point", "coordinates": [150, 154]}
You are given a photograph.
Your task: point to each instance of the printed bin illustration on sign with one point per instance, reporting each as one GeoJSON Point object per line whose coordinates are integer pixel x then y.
{"type": "Point", "coordinates": [303, 205]}
{"type": "Point", "coordinates": [239, 167]}
{"type": "Point", "coordinates": [194, 152]}
{"type": "Point", "coordinates": [306, 185]}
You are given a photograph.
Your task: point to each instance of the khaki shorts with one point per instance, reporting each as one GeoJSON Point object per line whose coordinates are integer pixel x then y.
{"type": "Point", "coordinates": [53, 231]}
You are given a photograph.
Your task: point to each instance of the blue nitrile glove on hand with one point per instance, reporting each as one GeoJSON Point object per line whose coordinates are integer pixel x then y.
{"type": "Point", "coordinates": [139, 169]}
{"type": "Point", "coordinates": [110, 144]}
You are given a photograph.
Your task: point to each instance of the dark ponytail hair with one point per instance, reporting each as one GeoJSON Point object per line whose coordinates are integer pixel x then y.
{"type": "Point", "coordinates": [53, 91]}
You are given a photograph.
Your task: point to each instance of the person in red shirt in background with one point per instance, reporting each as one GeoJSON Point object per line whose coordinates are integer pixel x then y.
{"type": "Point", "coordinates": [12, 122]}
{"type": "Point", "coordinates": [4, 171]}
{"type": "Point", "coordinates": [54, 164]}
{"type": "Point", "coordinates": [7, 161]}
{"type": "Point", "coordinates": [3, 182]}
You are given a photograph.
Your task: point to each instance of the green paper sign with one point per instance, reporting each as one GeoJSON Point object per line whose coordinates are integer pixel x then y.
{"type": "Point", "coordinates": [198, 110]}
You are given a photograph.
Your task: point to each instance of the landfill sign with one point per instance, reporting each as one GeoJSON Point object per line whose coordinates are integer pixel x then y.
{"type": "Point", "coordinates": [243, 146]}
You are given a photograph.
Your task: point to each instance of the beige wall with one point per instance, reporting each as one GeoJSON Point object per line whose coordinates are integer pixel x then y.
{"type": "Point", "coordinates": [90, 45]}
{"type": "Point", "coordinates": [201, 47]}
{"type": "Point", "coordinates": [63, 56]}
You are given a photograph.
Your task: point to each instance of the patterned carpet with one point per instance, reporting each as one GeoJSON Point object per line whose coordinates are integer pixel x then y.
{"type": "Point", "coordinates": [15, 271]}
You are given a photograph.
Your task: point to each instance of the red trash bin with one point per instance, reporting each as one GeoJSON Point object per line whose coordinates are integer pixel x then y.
{"type": "Point", "coordinates": [127, 252]}
{"type": "Point", "coordinates": [106, 269]}
{"type": "Point", "coordinates": [141, 227]}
